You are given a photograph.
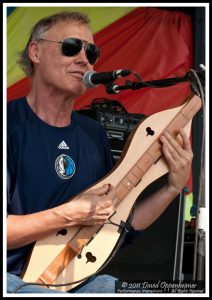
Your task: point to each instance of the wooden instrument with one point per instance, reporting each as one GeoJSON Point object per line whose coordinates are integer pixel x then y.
{"type": "Point", "coordinates": [77, 252]}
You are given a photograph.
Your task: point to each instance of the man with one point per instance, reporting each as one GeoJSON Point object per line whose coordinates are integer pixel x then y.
{"type": "Point", "coordinates": [54, 153]}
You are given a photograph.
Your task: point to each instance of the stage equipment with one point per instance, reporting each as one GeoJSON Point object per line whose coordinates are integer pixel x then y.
{"type": "Point", "coordinates": [115, 119]}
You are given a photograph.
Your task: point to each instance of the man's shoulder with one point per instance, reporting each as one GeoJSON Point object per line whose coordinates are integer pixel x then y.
{"type": "Point", "coordinates": [15, 106]}
{"type": "Point", "coordinates": [16, 114]}
{"type": "Point", "coordinates": [15, 102]}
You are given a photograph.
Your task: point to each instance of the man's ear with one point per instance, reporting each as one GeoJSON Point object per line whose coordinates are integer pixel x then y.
{"type": "Point", "coordinates": [34, 52]}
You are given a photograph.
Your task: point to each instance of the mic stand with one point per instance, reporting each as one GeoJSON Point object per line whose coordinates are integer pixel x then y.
{"type": "Point", "coordinates": [114, 88]}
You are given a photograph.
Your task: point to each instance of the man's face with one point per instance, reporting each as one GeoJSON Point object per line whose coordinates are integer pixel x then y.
{"type": "Point", "coordinates": [60, 72]}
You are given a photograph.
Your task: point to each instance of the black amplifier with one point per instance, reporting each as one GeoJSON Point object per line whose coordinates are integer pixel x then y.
{"type": "Point", "coordinates": [117, 122]}
{"type": "Point", "coordinates": [118, 128]}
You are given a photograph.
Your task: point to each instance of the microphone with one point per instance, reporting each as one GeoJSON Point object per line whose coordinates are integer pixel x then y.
{"type": "Point", "coordinates": [92, 79]}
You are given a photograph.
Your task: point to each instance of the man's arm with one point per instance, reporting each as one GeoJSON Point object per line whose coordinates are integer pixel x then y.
{"type": "Point", "coordinates": [179, 158]}
{"type": "Point", "coordinates": [25, 229]}
{"type": "Point", "coordinates": [92, 207]}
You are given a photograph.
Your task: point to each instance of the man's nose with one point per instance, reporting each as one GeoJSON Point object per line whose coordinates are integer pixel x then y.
{"type": "Point", "coordinates": [81, 57]}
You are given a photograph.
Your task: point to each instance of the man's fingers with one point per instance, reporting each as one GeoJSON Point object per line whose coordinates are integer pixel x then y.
{"type": "Point", "coordinates": [175, 148]}
{"type": "Point", "coordinates": [100, 191]}
{"type": "Point", "coordinates": [186, 141]}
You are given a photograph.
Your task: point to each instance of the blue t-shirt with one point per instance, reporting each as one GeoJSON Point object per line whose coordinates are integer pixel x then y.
{"type": "Point", "coordinates": [47, 165]}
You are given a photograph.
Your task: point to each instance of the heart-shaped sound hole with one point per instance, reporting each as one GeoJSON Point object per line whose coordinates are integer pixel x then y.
{"type": "Point", "coordinates": [150, 131]}
{"type": "Point", "coordinates": [62, 232]}
{"type": "Point", "coordinates": [90, 257]}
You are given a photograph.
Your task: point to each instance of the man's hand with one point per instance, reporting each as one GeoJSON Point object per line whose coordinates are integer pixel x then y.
{"type": "Point", "coordinates": [179, 158]}
{"type": "Point", "coordinates": [92, 207]}
{"type": "Point", "coordinates": [178, 155]}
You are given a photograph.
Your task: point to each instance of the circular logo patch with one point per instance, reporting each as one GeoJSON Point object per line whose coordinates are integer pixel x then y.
{"type": "Point", "coordinates": [65, 166]}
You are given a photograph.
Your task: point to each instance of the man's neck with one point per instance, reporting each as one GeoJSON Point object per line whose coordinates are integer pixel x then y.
{"type": "Point", "coordinates": [55, 111]}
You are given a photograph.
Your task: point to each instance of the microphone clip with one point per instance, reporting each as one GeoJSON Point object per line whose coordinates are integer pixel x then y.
{"type": "Point", "coordinates": [111, 88]}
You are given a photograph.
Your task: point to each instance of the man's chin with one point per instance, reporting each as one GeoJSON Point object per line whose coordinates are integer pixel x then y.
{"type": "Point", "coordinates": [80, 91]}
{"type": "Point", "coordinates": [76, 89]}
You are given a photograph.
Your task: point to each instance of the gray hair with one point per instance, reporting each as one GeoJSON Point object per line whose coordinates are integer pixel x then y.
{"type": "Point", "coordinates": [38, 31]}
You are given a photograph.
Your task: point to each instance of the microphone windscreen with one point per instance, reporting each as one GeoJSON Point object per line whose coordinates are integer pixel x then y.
{"type": "Point", "coordinates": [87, 79]}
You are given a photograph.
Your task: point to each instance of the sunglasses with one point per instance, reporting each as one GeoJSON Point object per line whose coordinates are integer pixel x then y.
{"type": "Point", "coordinates": [73, 46]}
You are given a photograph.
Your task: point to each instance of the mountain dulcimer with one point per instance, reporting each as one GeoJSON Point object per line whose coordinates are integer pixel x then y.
{"type": "Point", "coordinates": [76, 252]}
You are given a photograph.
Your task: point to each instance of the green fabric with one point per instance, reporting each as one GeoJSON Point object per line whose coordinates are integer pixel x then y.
{"type": "Point", "coordinates": [188, 205]}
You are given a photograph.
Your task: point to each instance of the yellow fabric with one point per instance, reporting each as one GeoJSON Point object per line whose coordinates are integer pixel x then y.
{"type": "Point", "coordinates": [21, 20]}
{"type": "Point", "coordinates": [188, 205]}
